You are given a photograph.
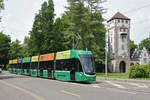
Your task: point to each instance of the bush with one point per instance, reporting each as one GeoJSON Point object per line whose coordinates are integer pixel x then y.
{"type": "Point", "coordinates": [139, 71]}
{"type": "Point", "coordinates": [7, 67]}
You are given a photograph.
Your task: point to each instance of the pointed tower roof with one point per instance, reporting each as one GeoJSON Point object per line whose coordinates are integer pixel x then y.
{"type": "Point", "coordinates": [119, 15]}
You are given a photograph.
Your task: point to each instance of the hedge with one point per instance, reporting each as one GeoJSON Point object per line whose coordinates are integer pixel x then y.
{"type": "Point", "coordinates": [139, 71]}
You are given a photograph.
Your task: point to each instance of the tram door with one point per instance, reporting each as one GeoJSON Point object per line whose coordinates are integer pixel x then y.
{"type": "Point", "coordinates": [74, 67]}
{"type": "Point", "coordinates": [41, 68]}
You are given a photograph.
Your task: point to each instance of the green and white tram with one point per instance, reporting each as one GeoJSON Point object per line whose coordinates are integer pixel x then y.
{"type": "Point", "coordinates": [10, 66]}
{"type": "Point", "coordinates": [26, 61]}
{"type": "Point", "coordinates": [75, 65]}
{"type": "Point", "coordinates": [19, 67]}
{"type": "Point", "coordinates": [71, 65]}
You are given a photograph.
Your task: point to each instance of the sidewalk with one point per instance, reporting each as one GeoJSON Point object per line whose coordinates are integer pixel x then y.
{"type": "Point", "coordinates": [124, 80]}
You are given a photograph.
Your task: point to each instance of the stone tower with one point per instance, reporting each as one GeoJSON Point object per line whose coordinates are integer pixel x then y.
{"type": "Point", "coordinates": [119, 43]}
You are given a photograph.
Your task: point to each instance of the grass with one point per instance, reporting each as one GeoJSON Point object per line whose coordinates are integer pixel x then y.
{"type": "Point", "coordinates": [113, 75]}
{"type": "Point", "coordinates": [118, 75]}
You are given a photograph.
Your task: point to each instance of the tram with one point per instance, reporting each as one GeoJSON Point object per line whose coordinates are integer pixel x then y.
{"type": "Point", "coordinates": [10, 66]}
{"type": "Point", "coordinates": [71, 65]}
{"type": "Point", "coordinates": [26, 63]}
{"type": "Point", "coordinates": [19, 67]}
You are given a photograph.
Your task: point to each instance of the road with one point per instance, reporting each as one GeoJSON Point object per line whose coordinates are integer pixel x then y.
{"type": "Point", "coordinates": [19, 87]}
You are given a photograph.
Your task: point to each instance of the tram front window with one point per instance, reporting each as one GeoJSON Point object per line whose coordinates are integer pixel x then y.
{"type": "Point", "coordinates": [87, 63]}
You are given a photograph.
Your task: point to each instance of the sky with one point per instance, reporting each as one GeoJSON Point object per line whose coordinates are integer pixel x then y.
{"type": "Point", "coordinates": [18, 16]}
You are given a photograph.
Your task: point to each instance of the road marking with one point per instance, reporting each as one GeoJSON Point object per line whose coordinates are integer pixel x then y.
{"type": "Point", "coordinates": [73, 94]}
{"type": "Point", "coordinates": [140, 86]}
{"type": "Point", "coordinates": [127, 92]}
{"type": "Point", "coordinates": [121, 91]}
{"type": "Point", "coordinates": [23, 90]}
{"type": "Point", "coordinates": [78, 84]}
{"type": "Point", "coordinates": [117, 85]}
{"type": "Point", "coordinates": [96, 86]}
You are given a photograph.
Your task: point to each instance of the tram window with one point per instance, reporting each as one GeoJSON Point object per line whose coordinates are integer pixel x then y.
{"type": "Point", "coordinates": [41, 65]}
{"type": "Point", "coordinates": [19, 65]}
{"type": "Point", "coordinates": [69, 65]}
{"type": "Point", "coordinates": [80, 67]}
{"type": "Point", "coordinates": [34, 65]}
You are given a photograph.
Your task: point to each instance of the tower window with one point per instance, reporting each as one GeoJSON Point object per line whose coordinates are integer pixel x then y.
{"type": "Point", "coordinates": [124, 30]}
{"type": "Point", "coordinates": [123, 37]}
{"type": "Point", "coordinates": [126, 21]}
{"type": "Point", "coordinates": [118, 20]}
{"type": "Point", "coordinates": [122, 21]}
{"type": "Point", "coordinates": [122, 47]}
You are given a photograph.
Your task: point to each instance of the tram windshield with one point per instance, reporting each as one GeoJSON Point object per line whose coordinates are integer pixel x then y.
{"type": "Point", "coordinates": [87, 63]}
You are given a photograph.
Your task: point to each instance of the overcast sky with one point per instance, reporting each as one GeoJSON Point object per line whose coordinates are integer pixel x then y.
{"type": "Point", "coordinates": [18, 16]}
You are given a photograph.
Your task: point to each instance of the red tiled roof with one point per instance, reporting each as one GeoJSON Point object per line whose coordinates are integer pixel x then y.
{"type": "Point", "coordinates": [118, 15]}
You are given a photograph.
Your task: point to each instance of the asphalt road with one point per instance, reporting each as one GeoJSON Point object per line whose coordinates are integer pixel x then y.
{"type": "Point", "coordinates": [19, 87]}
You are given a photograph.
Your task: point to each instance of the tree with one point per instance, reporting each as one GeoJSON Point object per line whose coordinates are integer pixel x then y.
{"type": "Point", "coordinates": [25, 52]}
{"type": "Point", "coordinates": [1, 7]}
{"type": "Point", "coordinates": [4, 48]}
{"type": "Point", "coordinates": [145, 43]}
{"type": "Point", "coordinates": [15, 50]}
{"type": "Point", "coordinates": [85, 19]}
{"type": "Point", "coordinates": [42, 33]}
{"type": "Point", "coordinates": [133, 46]}
{"type": "Point", "coordinates": [60, 42]}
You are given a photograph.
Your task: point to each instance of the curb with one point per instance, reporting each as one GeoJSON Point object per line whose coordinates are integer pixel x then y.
{"type": "Point", "coordinates": [123, 80]}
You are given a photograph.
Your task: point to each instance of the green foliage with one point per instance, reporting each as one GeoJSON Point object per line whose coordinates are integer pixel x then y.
{"type": "Point", "coordinates": [42, 34]}
{"type": "Point", "coordinates": [139, 71]}
{"type": "Point", "coordinates": [133, 46]}
{"type": "Point", "coordinates": [59, 43]}
{"type": "Point", "coordinates": [8, 66]}
{"type": "Point", "coordinates": [25, 52]}
{"type": "Point", "coordinates": [145, 43]}
{"type": "Point", "coordinates": [4, 48]}
{"type": "Point", "coordinates": [1, 7]}
{"type": "Point", "coordinates": [15, 50]}
{"type": "Point", "coordinates": [84, 18]}
{"type": "Point", "coordinates": [1, 4]}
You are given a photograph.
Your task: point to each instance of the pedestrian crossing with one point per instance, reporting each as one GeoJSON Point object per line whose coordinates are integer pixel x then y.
{"type": "Point", "coordinates": [113, 84]}
{"type": "Point", "coordinates": [116, 85]}
{"type": "Point", "coordinates": [133, 86]}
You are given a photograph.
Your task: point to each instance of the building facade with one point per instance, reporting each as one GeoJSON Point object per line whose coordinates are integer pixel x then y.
{"type": "Point", "coordinates": [140, 57]}
{"type": "Point", "coordinates": [119, 43]}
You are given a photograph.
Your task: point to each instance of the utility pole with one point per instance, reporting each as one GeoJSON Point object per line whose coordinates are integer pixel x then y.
{"type": "Point", "coordinates": [106, 48]}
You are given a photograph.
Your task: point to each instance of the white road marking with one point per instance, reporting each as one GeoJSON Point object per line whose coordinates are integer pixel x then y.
{"type": "Point", "coordinates": [78, 84]}
{"type": "Point", "coordinates": [121, 91]}
{"type": "Point", "coordinates": [117, 85]}
{"type": "Point", "coordinates": [138, 85]}
{"type": "Point", "coordinates": [96, 86]}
